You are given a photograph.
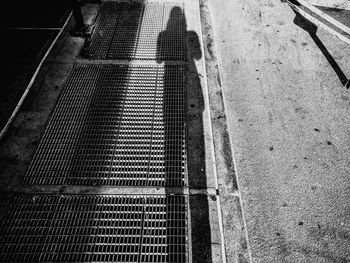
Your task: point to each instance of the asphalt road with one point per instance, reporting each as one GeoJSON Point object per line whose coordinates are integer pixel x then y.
{"type": "Point", "coordinates": [289, 124]}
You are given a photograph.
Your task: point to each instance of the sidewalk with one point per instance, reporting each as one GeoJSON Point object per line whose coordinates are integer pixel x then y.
{"type": "Point", "coordinates": [289, 123]}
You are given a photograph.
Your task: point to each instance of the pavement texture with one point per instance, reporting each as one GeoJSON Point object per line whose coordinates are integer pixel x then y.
{"type": "Point", "coordinates": [289, 123]}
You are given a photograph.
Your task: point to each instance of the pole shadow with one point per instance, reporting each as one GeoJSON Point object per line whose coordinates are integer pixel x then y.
{"type": "Point", "coordinates": [311, 28]}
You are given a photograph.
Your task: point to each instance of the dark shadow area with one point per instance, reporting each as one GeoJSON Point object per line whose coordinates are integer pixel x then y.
{"type": "Point", "coordinates": [342, 15]}
{"type": "Point", "coordinates": [200, 229]}
{"type": "Point", "coordinates": [309, 27]}
{"type": "Point", "coordinates": [23, 51]}
{"type": "Point", "coordinates": [294, 2]}
{"type": "Point", "coordinates": [125, 35]}
{"type": "Point", "coordinates": [24, 45]}
{"type": "Point", "coordinates": [170, 42]}
{"type": "Point", "coordinates": [115, 31]}
{"type": "Point", "coordinates": [38, 13]}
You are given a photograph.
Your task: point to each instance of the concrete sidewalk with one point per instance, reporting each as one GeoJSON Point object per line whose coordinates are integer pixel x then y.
{"type": "Point", "coordinates": [289, 124]}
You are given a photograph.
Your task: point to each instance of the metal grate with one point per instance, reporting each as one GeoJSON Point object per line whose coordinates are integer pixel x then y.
{"type": "Point", "coordinates": [171, 39]}
{"type": "Point", "coordinates": [152, 26]}
{"type": "Point", "coordinates": [164, 230]}
{"type": "Point", "coordinates": [151, 31]}
{"type": "Point", "coordinates": [66, 228]}
{"type": "Point", "coordinates": [115, 125]}
{"type": "Point", "coordinates": [124, 41]}
{"type": "Point", "coordinates": [103, 33]}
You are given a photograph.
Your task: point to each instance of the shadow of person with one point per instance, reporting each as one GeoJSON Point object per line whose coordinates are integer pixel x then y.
{"type": "Point", "coordinates": [183, 128]}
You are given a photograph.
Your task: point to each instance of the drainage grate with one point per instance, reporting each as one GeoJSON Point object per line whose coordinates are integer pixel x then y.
{"type": "Point", "coordinates": [51, 228]}
{"type": "Point", "coordinates": [115, 125]}
{"type": "Point", "coordinates": [151, 31]}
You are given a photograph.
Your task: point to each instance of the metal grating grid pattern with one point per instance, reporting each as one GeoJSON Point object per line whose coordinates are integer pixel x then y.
{"type": "Point", "coordinates": [172, 38]}
{"type": "Point", "coordinates": [151, 31]}
{"type": "Point", "coordinates": [67, 228]}
{"type": "Point", "coordinates": [115, 125]}
{"type": "Point", "coordinates": [152, 26]}
{"type": "Point", "coordinates": [124, 41]}
{"type": "Point", "coordinates": [104, 30]}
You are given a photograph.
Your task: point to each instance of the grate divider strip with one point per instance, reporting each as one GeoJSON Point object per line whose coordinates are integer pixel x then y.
{"type": "Point", "coordinates": [142, 229]}
{"type": "Point", "coordinates": [118, 18]}
{"type": "Point", "coordinates": [153, 115]}
{"type": "Point", "coordinates": [139, 30]}
{"type": "Point", "coordinates": [120, 119]}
